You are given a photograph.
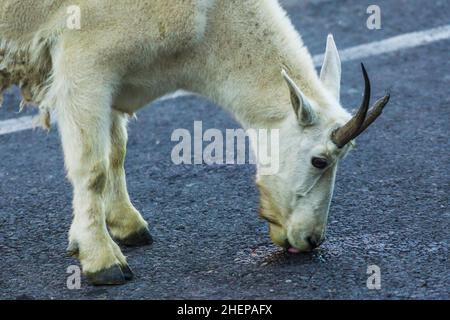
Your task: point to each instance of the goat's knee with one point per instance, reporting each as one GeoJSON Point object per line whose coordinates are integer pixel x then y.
{"type": "Point", "coordinates": [97, 179]}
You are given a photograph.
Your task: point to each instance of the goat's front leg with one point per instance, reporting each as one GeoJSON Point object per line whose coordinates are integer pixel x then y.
{"type": "Point", "coordinates": [124, 222]}
{"type": "Point", "coordinates": [84, 119]}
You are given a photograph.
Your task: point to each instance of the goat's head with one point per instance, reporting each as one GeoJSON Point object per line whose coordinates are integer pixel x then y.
{"type": "Point", "coordinates": [296, 199]}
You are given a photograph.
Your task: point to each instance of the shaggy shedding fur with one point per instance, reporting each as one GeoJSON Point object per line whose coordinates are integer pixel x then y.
{"type": "Point", "coordinates": [31, 74]}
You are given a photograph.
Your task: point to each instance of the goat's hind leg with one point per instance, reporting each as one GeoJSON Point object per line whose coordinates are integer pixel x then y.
{"type": "Point", "coordinates": [124, 222]}
{"type": "Point", "coordinates": [84, 118]}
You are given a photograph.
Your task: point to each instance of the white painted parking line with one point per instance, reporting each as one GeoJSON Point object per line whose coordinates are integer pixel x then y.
{"type": "Point", "coordinates": [15, 125]}
{"type": "Point", "coordinates": [400, 42]}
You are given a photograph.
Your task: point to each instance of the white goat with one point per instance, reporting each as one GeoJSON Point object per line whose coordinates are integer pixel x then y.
{"type": "Point", "coordinates": [244, 55]}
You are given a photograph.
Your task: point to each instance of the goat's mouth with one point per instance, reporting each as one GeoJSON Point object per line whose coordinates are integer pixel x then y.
{"type": "Point", "coordinates": [294, 250]}
{"type": "Point", "coordinates": [279, 237]}
{"type": "Point", "coordinates": [307, 244]}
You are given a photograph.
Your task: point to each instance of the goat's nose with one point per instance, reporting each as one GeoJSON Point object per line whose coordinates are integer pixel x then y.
{"type": "Point", "coordinates": [314, 242]}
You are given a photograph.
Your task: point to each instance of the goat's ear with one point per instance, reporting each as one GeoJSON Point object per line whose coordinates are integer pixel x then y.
{"type": "Point", "coordinates": [330, 75]}
{"type": "Point", "coordinates": [302, 108]}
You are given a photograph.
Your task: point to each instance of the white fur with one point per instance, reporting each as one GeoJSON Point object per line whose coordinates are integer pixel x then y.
{"type": "Point", "coordinates": [229, 51]}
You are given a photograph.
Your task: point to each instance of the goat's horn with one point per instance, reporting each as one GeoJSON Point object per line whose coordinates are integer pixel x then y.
{"type": "Point", "coordinates": [351, 129]}
{"type": "Point", "coordinates": [375, 112]}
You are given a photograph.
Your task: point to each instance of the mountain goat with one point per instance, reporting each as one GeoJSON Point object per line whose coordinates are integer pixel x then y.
{"type": "Point", "coordinates": [244, 55]}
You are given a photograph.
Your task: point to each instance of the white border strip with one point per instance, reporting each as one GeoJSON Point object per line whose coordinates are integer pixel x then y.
{"type": "Point", "coordinates": [404, 41]}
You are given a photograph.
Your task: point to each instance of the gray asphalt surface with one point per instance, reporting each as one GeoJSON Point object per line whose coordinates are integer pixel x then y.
{"type": "Point", "coordinates": [391, 204]}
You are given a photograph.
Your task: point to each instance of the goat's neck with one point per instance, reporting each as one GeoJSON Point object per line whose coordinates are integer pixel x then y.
{"type": "Point", "coordinates": [241, 70]}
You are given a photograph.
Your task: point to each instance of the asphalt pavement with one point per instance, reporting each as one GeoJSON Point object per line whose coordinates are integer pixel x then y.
{"type": "Point", "coordinates": [390, 209]}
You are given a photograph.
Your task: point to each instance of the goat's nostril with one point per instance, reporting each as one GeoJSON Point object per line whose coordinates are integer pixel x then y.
{"type": "Point", "coordinates": [313, 243]}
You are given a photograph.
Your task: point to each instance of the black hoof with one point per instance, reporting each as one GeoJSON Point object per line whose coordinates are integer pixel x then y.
{"type": "Point", "coordinates": [127, 272]}
{"type": "Point", "coordinates": [111, 276]}
{"type": "Point", "coordinates": [139, 238]}
{"type": "Point", "coordinates": [73, 249]}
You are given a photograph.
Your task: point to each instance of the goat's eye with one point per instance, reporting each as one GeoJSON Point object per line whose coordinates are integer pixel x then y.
{"type": "Point", "coordinates": [319, 163]}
